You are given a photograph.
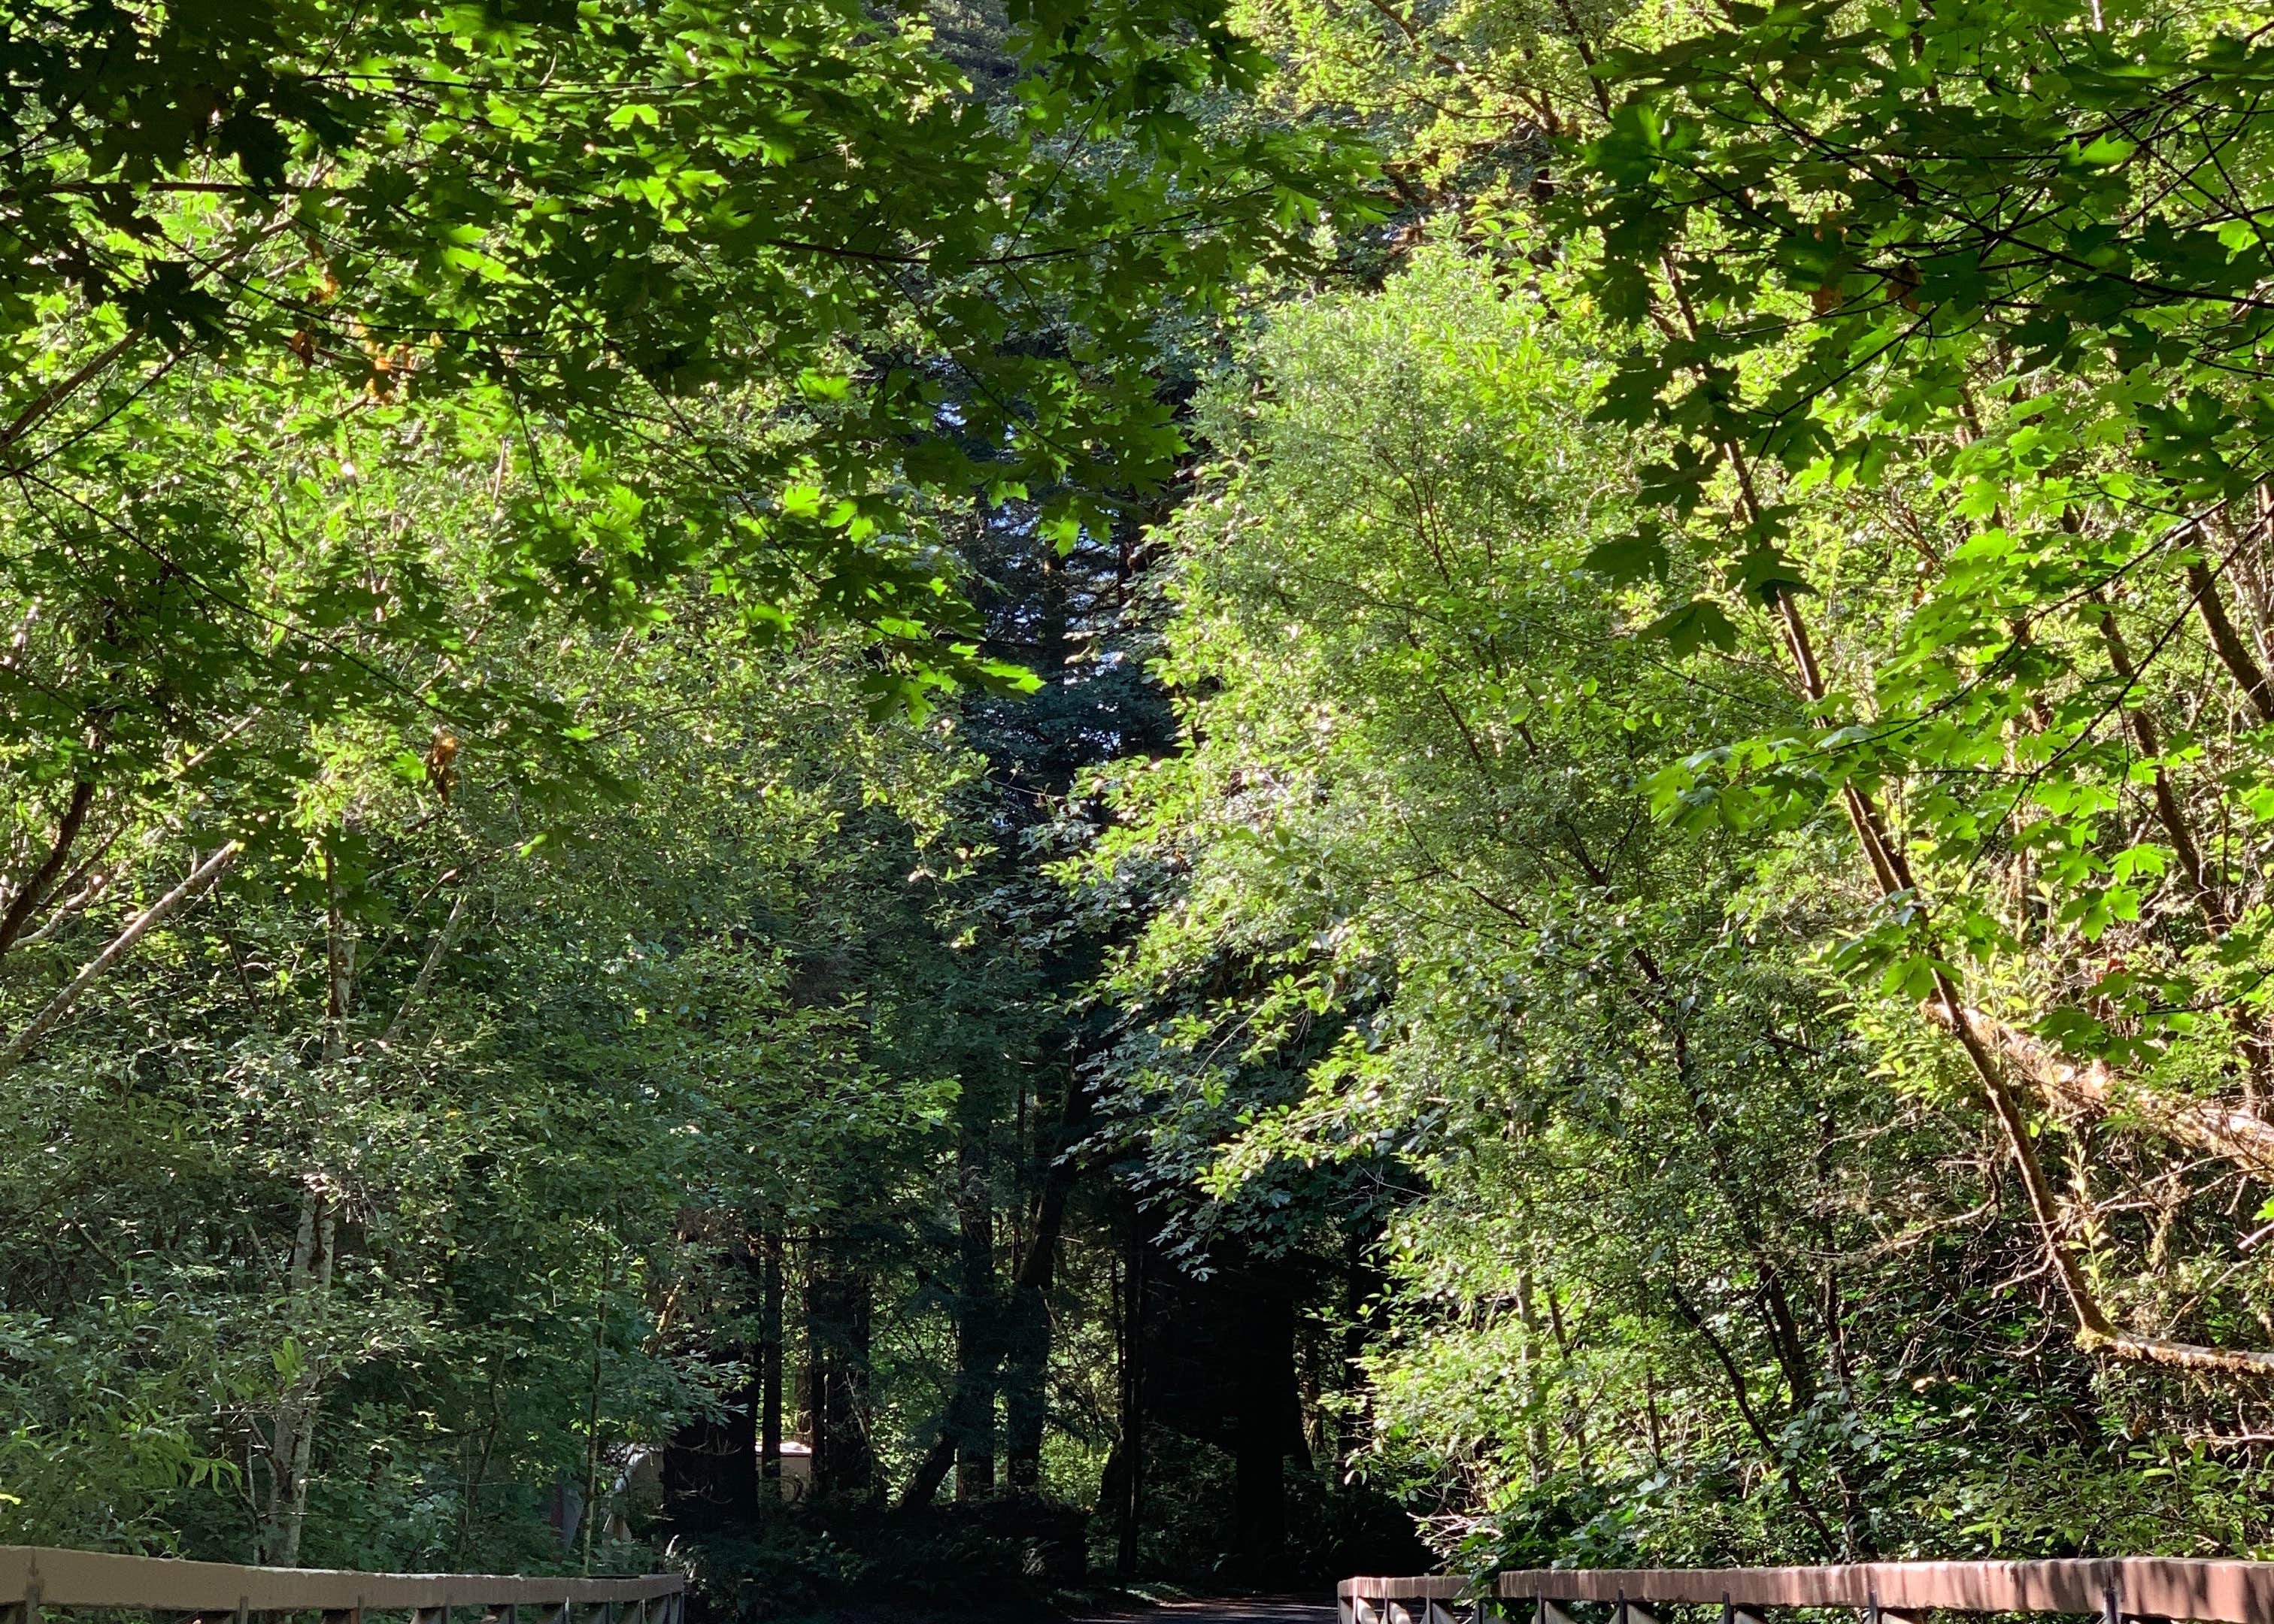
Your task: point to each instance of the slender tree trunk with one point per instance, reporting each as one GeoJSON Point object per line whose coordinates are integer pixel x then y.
{"type": "Point", "coordinates": [436, 951]}
{"type": "Point", "coordinates": [293, 1426]}
{"type": "Point", "coordinates": [1535, 1383]}
{"type": "Point", "coordinates": [1361, 1305]}
{"type": "Point", "coordinates": [1026, 1371]}
{"type": "Point", "coordinates": [591, 1516]}
{"type": "Point", "coordinates": [339, 962]}
{"type": "Point", "coordinates": [1129, 1507]}
{"type": "Point", "coordinates": [1774, 1455]}
{"type": "Point", "coordinates": [1575, 1405]}
{"type": "Point", "coordinates": [2201, 884]}
{"type": "Point", "coordinates": [1026, 1398]}
{"type": "Point", "coordinates": [822, 1459]}
{"type": "Point", "coordinates": [923, 1483]}
{"type": "Point", "coordinates": [740, 1475]}
{"type": "Point", "coordinates": [2233, 652]}
{"type": "Point", "coordinates": [60, 1006]}
{"type": "Point", "coordinates": [293, 1435]}
{"type": "Point", "coordinates": [856, 1457]}
{"type": "Point", "coordinates": [770, 1370]}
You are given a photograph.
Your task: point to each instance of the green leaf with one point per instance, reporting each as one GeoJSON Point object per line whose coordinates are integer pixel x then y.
{"type": "Point", "coordinates": [1638, 555]}
{"type": "Point", "coordinates": [1693, 625]}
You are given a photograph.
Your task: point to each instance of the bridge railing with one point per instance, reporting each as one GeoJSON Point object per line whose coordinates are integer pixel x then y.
{"type": "Point", "coordinates": [2113, 1591]}
{"type": "Point", "coordinates": [33, 1577]}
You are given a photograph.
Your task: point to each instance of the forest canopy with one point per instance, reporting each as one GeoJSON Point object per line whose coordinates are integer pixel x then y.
{"type": "Point", "coordinates": [900, 800]}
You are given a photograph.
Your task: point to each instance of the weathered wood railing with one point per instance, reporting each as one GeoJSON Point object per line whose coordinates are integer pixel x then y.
{"type": "Point", "coordinates": [2114, 1589]}
{"type": "Point", "coordinates": [32, 1577]}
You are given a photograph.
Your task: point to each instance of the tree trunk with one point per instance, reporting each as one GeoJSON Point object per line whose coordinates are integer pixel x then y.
{"type": "Point", "coordinates": [55, 1008]}
{"type": "Point", "coordinates": [1539, 1455]}
{"type": "Point", "coordinates": [978, 1341]}
{"type": "Point", "coordinates": [770, 1369]}
{"type": "Point", "coordinates": [339, 965]}
{"type": "Point", "coordinates": [837, 1331]}
{"type": "Point", "coordinates": [856, 1451]}
{"type": "Point", "coordinates": [1361, 1291]}
{"type": "Point", "coordinates": [1026, 1396]}
{"type": "Point", "coordinates": [1267, 1404]}
{"type": "Point", "coordinates": [1026, 1373]}
{"type": "Point", "coordinates": [739, 1474]}
{"type": "Point", "coordinates": [292, 1432]}
{"type": "Point", "coordinates": [2233, 652]}
{"type": "Point", "coordinates": [814, 1382]}
{"type": "Point", "coordinates": [1129, 1504]}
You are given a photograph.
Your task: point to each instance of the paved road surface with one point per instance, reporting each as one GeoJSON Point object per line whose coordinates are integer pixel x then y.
{"type": "Point", "coordinates": [1243, 1610]}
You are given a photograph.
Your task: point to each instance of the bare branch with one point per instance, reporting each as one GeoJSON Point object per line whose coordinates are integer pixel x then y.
{"type": "Point", "coordinates": [443, 938]}
{"type": "Point", "coordinates": [204, 875]}
{"type": "Point", "coordinates": [63, 389]}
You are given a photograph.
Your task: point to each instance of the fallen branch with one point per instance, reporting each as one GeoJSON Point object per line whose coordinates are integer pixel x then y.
{"type": "Point", "coordinates": [2094, 1089]}
{"type": "Point", "coordinates": [2185, 1355]}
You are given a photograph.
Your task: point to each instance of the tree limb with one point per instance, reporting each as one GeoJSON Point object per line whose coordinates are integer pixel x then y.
{"type": "Point", "coordinates": [443, 938]}
{"type": "Point", "coordinates": [204, 875]}
{"type": "Point", "coordinates": [2233, 653]}
{"type": "Point", "coordinates": [63, 389]}
{"type": "Point", "coordinates": [38, 884]}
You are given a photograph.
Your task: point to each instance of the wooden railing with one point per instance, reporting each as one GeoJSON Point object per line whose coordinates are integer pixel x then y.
{"type": "Point", "coordinates": [2114, 1589]}
{"type": "Point", "coordinates": [32, 1577]}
